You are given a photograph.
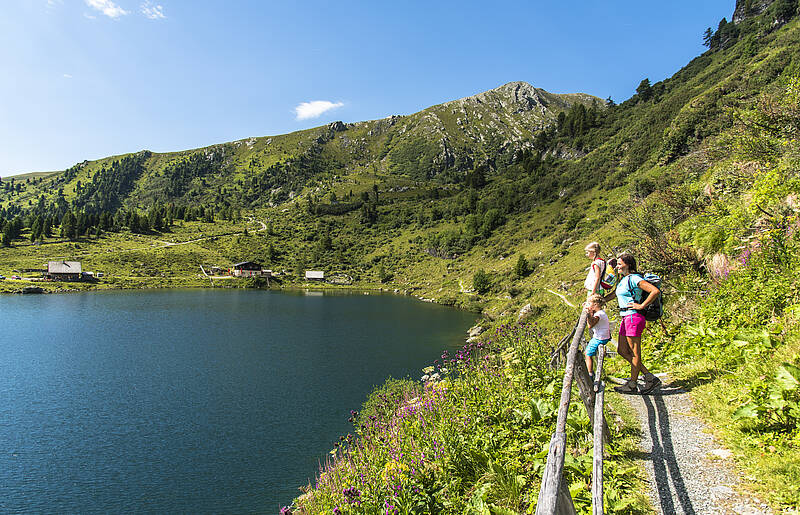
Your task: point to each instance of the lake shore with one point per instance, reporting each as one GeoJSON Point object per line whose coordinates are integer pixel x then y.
{"type": "Point", "coordinates": [17, 286]}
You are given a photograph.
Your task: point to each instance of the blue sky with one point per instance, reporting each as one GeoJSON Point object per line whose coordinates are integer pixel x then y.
{"type": "Point", "coordinates": [84, 79]}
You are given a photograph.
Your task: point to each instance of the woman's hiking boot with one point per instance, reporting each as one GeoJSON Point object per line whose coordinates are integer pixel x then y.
{"type": "Point", "coordinates": [651, 382]}
{"type": "Point", "coordinates": [629, 387]}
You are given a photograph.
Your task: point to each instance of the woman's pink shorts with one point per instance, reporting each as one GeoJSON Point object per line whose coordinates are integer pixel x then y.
{"type": "Point", "coordinates": [632, 325]}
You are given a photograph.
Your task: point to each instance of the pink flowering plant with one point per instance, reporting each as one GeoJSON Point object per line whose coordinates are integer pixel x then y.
{"type": "Point", "coordinates": [472, 436]}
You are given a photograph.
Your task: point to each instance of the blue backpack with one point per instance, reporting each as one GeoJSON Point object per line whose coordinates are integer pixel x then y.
{"type": "Point", "coordinates": [655, 309]}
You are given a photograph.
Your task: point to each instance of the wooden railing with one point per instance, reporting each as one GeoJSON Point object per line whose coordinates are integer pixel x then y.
{"type": "Point", "coordinates": [554, 496]}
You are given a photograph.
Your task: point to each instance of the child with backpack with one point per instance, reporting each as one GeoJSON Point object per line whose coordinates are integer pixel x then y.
{"type": "Point", "coordinates": [597, 269]}
{"type": "Point", "coordinates": [634, 296]}
{"type": "Point", "coordinates": [600, 326]}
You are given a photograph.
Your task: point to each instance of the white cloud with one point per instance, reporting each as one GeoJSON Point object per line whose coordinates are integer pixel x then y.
{"type": "Point", "coordinates": [67, 76]}
{"type": "Point", "coordinates": [107, 7]}
{"type": "Point", "coordinates": [315, 108]}
{"type": "Point", "coordinates": [53, 5]}
{"type": "Point", "coordinates": [154, 12]}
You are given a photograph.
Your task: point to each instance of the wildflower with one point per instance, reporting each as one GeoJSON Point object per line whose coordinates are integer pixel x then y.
{"type": "Point", "coordinates": [352, 495]}
{"type": "Point", "coordinates": [394, 470]}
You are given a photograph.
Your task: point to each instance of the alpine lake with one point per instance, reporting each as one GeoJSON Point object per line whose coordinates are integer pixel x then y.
{"type": "Point", "coordinates": [193, 401]}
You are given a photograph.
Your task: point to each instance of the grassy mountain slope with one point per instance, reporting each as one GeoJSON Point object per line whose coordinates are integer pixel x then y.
{"type": "Point", "coordinates": [447, 139]}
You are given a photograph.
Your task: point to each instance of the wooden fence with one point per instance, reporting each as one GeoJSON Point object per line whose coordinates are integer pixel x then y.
{"type": "Point", "coordinates": [554, 496]}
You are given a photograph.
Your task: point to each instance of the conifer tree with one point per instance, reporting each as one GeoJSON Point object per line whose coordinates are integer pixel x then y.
{"type": "Point", "coordinates": [8, 232]}
{"type": "Point", "coordinates": [144, 224]}
{"type": "Point", "coordinates": [707, 36]}
{"type": "Point", "coordinates": [480, 281]}
{"type": "Point", "coordinates": [645, 90]}
{"type": "Point", "coordinates": [69, 227]}
{"type": "Point", "coordinates": [522, 268]}
{"type": "Point", "coordinates": [133, 222]}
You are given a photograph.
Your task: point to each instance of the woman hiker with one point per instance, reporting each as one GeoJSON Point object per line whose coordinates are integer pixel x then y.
{"type": "Point", "coordinates": [632, 286]}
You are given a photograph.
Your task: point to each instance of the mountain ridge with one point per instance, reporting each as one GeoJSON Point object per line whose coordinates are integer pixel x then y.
{"type": "Point", "coordinates": [441, 142]}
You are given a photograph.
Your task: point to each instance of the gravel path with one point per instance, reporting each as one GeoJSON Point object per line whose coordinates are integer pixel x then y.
{"type": "Point", "coordinates": [689, 472]}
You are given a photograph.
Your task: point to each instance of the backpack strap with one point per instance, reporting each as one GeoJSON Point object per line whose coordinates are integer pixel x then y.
{"type": "Point", "coordinates": [631, 287]}
{"type": "Point", "coordinates": [602, 271]}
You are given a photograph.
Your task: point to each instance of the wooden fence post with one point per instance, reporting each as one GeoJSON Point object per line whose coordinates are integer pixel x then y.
{"type": "Point", "coordinates": [599, 433]}
{"type": "Point", "coordinates": [586, 390]}
{"type": "Point", "coordinates": [564, 506]}
{"type": "Point", "coordinates": [554, 470]}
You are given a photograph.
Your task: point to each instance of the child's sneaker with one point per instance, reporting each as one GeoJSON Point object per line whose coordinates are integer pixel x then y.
{"type": "Point", "coordinates": [628, 387]}
{"type": "Point", "coordinates": [651, 382]}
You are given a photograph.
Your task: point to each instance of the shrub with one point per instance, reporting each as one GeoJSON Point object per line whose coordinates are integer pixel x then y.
{"type": "Point", "coordinates": [480, 281]}
{"type": "Point", "coordinates": [522, 268]}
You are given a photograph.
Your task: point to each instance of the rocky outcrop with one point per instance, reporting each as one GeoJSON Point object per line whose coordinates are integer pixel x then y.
{"type": "Point", "coordinates": [446, 158]}
{"type": "Point", "coordinates": [524, 313]}
{"type": "Point", "coordinates": [475, 331]}
{"type": "Point", "coordinates": [749, 8]}
{"type": "Point", "coordinates": [337, 127]}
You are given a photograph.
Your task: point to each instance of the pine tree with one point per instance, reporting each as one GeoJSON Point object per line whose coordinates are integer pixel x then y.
{"type": "Point", "coordinates": [480, 281]}
{"type": "Point", "coordinates": [69, 227]}
{"type": "Point", "coordinates": [133, 222]}
{"type": "Point", "coordinates": [707, 36]}
{"type": "Point", "coordinates": [645, 90]}
{"type": "Point", "coordinates": [36, 228]}
{"type": "Point", "coordinates": [522, 268]}
{"type": "Point", "coordinates": [7, 235]}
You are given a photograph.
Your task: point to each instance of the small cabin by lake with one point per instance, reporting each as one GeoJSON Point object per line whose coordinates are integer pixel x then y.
{"type": "Point", "coordinates": [315, 275]}
{"type": "Point", "coordinates": [64, 271]}
{"type": "Point", "coordinates": [246, 269]}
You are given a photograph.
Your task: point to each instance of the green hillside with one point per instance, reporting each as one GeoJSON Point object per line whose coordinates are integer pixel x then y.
{"type": "Point", "coordinates": [486, 203]}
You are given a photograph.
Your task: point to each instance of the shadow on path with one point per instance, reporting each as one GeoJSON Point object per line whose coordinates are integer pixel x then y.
{"type": "Point", "coordinates": [665, 466]}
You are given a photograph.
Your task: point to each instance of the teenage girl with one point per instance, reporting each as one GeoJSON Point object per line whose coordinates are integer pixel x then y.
{"type": "Point", "coordinates": [596, 271]}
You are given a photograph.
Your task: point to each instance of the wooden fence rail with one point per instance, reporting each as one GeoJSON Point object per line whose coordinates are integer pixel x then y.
{"type": "Point", "coordinates": [554, 496]}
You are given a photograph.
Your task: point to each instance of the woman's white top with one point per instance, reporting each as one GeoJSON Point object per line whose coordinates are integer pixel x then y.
{"type": "Point", "coordinates": [591, 277]}
{"type": "Point", "coordinates": [602, 329]}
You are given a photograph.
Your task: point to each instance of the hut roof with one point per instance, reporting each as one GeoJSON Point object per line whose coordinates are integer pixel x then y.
{"type": "Point", "coordinates": [63, 267]}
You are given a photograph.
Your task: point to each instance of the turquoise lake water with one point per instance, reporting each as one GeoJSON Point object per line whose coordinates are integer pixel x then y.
{"type": "Point", "coordinates": [192, 401]}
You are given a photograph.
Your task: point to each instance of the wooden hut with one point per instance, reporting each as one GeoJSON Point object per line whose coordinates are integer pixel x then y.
{"type": "Point", "coordinates": [315, 275]}
{"type": "Point", "coordinates": [246, 269]}
{"type": "Point", "coordinates": [64, 271]}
